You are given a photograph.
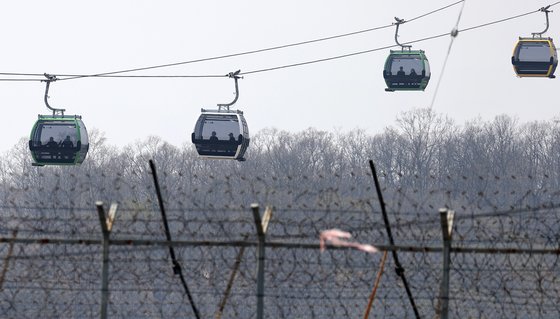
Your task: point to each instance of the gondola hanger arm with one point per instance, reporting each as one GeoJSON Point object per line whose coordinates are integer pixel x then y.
{"type": "Point", "coordinates": [398, 23]}
{"type": "Point", "coordinates": [235, 76]}
{"type": "Point", "coordinates": [51, 78]}
{"type": "Point", "coordinates": [546, 11]}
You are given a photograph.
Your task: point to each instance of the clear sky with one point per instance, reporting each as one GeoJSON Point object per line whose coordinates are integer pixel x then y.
{"type": "Point", "coordinates": [89, 37]}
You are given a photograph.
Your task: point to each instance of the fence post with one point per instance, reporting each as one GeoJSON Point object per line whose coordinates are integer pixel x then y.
{"type": "Point", "coordinates": [398, 266]}
{"type": "Point", "coordinates": [222, 305]}
{"type": "Point", "coordinates": [262, 226]}
{"type": "Point", "coordinates": [7, 259]}
{"type": "Point", "coordinates": [446, 218]}
{"type": "Point", "coordinates": [106, 226]}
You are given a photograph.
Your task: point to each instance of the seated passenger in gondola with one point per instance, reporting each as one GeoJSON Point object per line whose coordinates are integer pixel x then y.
{"type": "Point", "coordinates": [232, 138]}
{"type": "Point", "coordinates": [213, 138]}
{"type": "Point", "coordinates": [53, 148]}
{"type": "Point", "coordinates": [51, 143]}
{"type": "Point", "coordinates": [414, 77]}
{"type": "Point", "coordinates": [67, 143]}
{"type": "Point", "coordinates": [400, 72]}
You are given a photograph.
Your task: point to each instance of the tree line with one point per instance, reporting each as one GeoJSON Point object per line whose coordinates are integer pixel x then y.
{"type": "Point", "coordinates": [422, 151]}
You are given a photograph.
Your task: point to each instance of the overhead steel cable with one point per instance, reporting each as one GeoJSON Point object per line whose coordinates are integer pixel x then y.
{"type": "Point", "coordinates": [454, 33]}
{"type": "Point", "coordinates": [499, 21]}
{"type": "Point", "coordinates": [393, 45]}
{"type": "Point", "coordinates": [112, 74]}
{"type": "Point", "coordinates": [434, 11]}
{"type": "Point", "coordinates": [69, 77]}
{"type": "Point", "coordinates": [23, 74]}
{"type": "Point", "coordinates": [105, 74]}
{"type": "Point", "coordinates": [343, 56]}
{"type": "Point", "coordinates": [265, 49]}
{"type": "Point", "coordinates": [20, 80]}
{"type": "Point", "coordinates": [219, 57]}
{"type": "Point", "coordinates": [143, 76]}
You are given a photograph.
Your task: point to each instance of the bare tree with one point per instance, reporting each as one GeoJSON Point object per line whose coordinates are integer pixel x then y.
{"type": "Point", "coordinates": [423, 133]}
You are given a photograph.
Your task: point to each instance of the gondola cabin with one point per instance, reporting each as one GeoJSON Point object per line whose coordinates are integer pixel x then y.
{"type": "Point", "coordinates": [406, 70]}
{"type": "Point", "coordinates": [221, 134]}
{"type": "Point", "coordinates": [58, 140]}
{"type": "Point", "coordinates": [535, 57]}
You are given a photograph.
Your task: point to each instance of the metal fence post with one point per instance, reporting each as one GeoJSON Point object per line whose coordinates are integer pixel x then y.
{"type": "Point", "coordinates": [7, 259]}
{"type": "Point", "coordinates": [229, 286]}
{"type": "Point", "coordinates": [398, 266]}
{"type": "Point", "coordinates": [446, 218]}
{"type": "Point", "coordinates": [106, 226]}
{"type": "Point", "coordinates": [261, 225]}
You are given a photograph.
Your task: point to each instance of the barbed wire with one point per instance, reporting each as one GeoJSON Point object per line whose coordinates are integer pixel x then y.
{"type": "Point", "coordinates": [504, 256]}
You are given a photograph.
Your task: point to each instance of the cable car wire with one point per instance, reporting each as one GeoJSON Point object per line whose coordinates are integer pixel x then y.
{"type": "Point", "coordinates": [431, 12]}
{"type": "Point", "coordinates": [112, 74]}
{"type": "Point", "coordinates": [115, 76]}
{"type": "Point", "coordinates": [270, 48]}
{"type": "Point", "coordinates": [70, 77]}
{"type": "Point", "coordinates": [142, 76]}
{"type": "Point", "coordinates": [19, 80]}
{"type": "Point", "coordinates": [22, 74]}
{"type": "Point", "coordinates": [228, 55]}
{"type": "Point", "coordinates": [454, 34]}
{"type": "Point", "coordinates": [501, 20]}
{"type": "Point", "coordinates": [394, 45]}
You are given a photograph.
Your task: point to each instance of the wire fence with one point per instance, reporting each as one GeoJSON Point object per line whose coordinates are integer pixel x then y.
{"type": "Point", "coordinates": [504, 251]}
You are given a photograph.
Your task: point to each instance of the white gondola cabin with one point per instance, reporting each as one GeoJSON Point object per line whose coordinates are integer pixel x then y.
{"type": "Point", "coordinates": [221, 134]}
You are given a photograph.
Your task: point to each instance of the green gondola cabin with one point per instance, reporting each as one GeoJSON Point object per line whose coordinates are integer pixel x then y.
{"type": "Point", "coordinates": [58, 140]}
{"type": "Point", "coordinates": [406, 70]}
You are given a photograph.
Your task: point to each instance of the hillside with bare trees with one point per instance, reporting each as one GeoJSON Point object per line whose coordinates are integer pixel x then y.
{"type": "Point", "coordinates": [501, 178]}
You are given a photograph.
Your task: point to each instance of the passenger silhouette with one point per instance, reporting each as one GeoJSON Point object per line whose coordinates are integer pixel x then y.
{"type": "Point", "coordinates": [213, 138]}
{"type": "Point", "coordinates": [401, 71]}
{"type": "Point", "coordinates": [231, 137]}
{"type": "Point", "coordinates": [53, 146]}
{"type": "Point", "coordinates": [67, 143]}
{"type": "Point", "coordinates": [52, 143]}
{"type": "Point", "coordinates": [413, 72]}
